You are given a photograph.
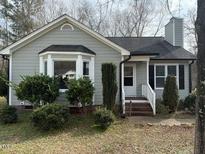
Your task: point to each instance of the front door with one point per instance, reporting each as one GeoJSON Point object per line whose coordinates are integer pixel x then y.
{"type": "Point", "coordinates": [130, 79]}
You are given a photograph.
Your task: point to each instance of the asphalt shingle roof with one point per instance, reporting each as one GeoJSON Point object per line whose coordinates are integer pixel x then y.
{"type": "Point", "coordinates": [68, 48]}
{"type": "Point", "coordinates": [153, 46]}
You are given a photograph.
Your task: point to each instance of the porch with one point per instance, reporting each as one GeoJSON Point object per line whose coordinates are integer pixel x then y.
{"type": "Point", "coordinates": [138, 98]}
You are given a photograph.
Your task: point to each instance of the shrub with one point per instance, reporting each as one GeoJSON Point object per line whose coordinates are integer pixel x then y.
{"type": "Point", "coordinates": [104, 118]}
{"type": "Point", "coordinates": [4, 86]}
{"type": "Point", "coordinates": [109, 85]}
{"type": "Point", "coordinates": [190, 103]}
{"type": "Point", "coordinates": [2, 102]}
{"type": "Point", "coordinates": [80, 90]}
{"type": "Point", "coordinates": [8, 114]}
{"type": "Point", "coordinates": [37, 88]}
{"type": "Point", "coordinates": [50, 116]}
{"type": "Point", "coordinates": [170, 93]}
{"type": "Point", "coordinates": [161, 108]}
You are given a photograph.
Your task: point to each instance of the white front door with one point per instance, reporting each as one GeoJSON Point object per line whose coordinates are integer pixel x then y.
{"type": "Point", "coordinates": [130, 79]}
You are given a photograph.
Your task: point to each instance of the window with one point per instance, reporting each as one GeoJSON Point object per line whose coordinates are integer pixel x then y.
{"type": "Point", "coordinates": [160, 76]}
{"type": "Point", "coordinates": [64, 70]}
{"type": "Point", "coordinates": [181, 77]}
{"type": "Point", "coordinates": [86, 68]}
{"type": "Point", "coordinates": [128, 76]}
{"type": "Point", "coordinates": [45, 67]}
{"type": "Point", "coordinates": [162, 71]}
{"type": "Point", "coordinates": [151, 76]}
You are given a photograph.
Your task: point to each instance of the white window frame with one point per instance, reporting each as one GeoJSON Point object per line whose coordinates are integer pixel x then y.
{"type": "Point", "coordinates": [133, 77]}
{"type": "Point", "coordinates": [166, 74]}
{"type": "Point", "coordinates": [67, 60]}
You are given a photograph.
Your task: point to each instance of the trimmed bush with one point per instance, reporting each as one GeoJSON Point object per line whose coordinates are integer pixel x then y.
{"type": "Point", "coordinates": [80, 90]}
{"type": "Point", "coordinates": [2, 102]}
{"type": "Point", "coordinates": [8, 114]}
{"type": "Point", "coordinates": [104, 118]}
{"type": "Point", "coordinates": [50, 116]}
{"type": "Point", "coordinates": [4, 86]}
{"type": "Point", "coordinates": [37, 88]}
{"type": "Point", "coordinates": [170, 93]}
{"type": "Point", "coordinates": [190, 102]}
{"type": "Point", "coordinates": [109, 83]}
{"type": "Point", "coordinates": [161, 108]}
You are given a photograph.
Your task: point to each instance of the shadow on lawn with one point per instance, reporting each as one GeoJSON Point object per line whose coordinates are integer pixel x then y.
{"type": "Point", "coordinates": [23, 130]}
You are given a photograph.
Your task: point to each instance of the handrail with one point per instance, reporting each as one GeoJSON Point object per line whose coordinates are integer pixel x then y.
{"type": "Point", "coordinates": [148, 92]}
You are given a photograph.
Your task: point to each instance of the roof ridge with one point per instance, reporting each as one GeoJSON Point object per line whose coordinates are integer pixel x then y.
{"type": "Point", "coordinates": [133, 36]}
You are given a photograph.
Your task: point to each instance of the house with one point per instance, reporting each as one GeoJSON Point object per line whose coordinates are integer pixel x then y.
{"type": "Point", "coordinates": [66, 47]}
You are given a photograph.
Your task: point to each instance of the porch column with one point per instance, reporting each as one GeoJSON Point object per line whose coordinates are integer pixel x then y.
{"type": "Point", "coordinates": [50, 69]}
{"type": "Point", "coordinates": [122, 74]}
{"type": "Point", "coordinates": [92, 69]}
{"type": "Point", "coordinates": [41, 65]}
{"type": "Point", "coordinates": [79, 67]}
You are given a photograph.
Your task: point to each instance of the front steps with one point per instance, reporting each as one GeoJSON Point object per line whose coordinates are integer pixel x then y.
{"type": "Point", "coordinates": [137, 106]}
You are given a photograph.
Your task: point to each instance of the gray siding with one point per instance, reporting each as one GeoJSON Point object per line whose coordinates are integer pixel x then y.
{"type": "Point", "coordinates": [25, 61]}
{"type": "Point", "coordinates": [174, 32]}
{"type": "Point", "coordinates": [182, 93]}
{"type": "Point", "coordinates": [141, 76]}
{"type": "Point", "coordinates": [179, 37]}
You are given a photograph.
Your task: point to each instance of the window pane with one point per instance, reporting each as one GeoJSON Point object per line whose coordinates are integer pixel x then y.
{"type": "Point", "coordinates": [64, 70]}
{"type": "Point", "coordinates": [181, 76]}
{"type": "Point", "coordinates": [128, 81]}
{"type": "Point", "coordinates": [128, 71]}
{"type": "Point", "coordinates": [172, 71]}
{"type": "Point", "coordinates": [85, 68]}
{"type": "Point", "coordinates": [160, 70]}
{"type": "Point", "coordinates": [160, 82]}
{"type": "Point", "coordinates": [45, 67]}
{"type": "Point", "coordinates": [151, 76]}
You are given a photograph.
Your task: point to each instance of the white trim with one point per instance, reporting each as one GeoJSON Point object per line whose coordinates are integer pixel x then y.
{"type": "Point", "coordinates": [73, 22]}
{"type": "Point", "coordinates": [50, 65]}
{"type": "Point", "coordinates": [41, 65]}
{"type": "Point", "coordinates": [166, 73]}
{"type": "Point", "coordinates": [79, 67]}
{"type": "Point", "coordinates": [10, 78]}
{"type": "Point", "coordinates": [140, 58]}
{"type": "Point", "coordinates": [67, 24]}
{"type": "Point", "coordinates": [66, 53]}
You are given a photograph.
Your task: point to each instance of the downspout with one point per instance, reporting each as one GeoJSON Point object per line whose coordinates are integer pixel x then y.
{"type": "Point", "coordinates": [190, 77]}
{"type": "Point", "coordinates": [122, 62]}
{"type": "Point", "coordinates": [5, 57]}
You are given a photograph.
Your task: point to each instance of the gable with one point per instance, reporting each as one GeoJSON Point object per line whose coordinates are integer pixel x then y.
{"type": "Point", "coordinates": [64, 19]}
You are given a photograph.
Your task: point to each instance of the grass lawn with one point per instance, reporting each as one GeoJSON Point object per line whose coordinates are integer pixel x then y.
{"type": "Point", "coordinates": [81, 136]}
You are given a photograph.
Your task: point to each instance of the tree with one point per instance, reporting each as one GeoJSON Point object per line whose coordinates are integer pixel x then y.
{"type": "Point", "coordinates": [109, 85]}
{"type": "Point", "coordinates": [170, 93]}
{"type": "Point", "coordinates": [19, 16]}
{"type": "Point", "coordinates": [200, 104]}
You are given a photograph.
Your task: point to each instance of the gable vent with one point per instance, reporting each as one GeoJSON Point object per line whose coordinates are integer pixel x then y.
{"type": "Point", "coordinates": [67, 27]}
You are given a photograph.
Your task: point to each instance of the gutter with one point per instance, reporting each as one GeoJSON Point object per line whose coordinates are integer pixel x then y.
{"type": "Point", "coordinates": [5, 57]}
{"type": "Point", "coordinates": [120, 71]}
{"type": "Point", "coordinates": [190, 77]}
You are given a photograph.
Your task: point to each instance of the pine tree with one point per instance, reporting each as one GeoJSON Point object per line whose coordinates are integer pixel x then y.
{"type": "Point", "coordinates": [19, 15]}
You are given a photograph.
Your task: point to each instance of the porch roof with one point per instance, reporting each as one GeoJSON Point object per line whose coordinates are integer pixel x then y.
{"type": "Point", "coordinates": [68, 48]}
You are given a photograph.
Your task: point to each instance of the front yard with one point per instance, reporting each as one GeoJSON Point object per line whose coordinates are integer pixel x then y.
{"type": "Point", "coordinates": [81, 136]}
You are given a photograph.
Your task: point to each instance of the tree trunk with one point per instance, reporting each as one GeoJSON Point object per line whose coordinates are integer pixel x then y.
{"type": "Point", "coordinates": [200, 103]}
{"type": "Point", "coordinates": [200, 126]}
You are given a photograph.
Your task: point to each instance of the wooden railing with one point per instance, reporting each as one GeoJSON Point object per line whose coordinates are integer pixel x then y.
{"type": "Point", "coordinates": [149, 93]}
